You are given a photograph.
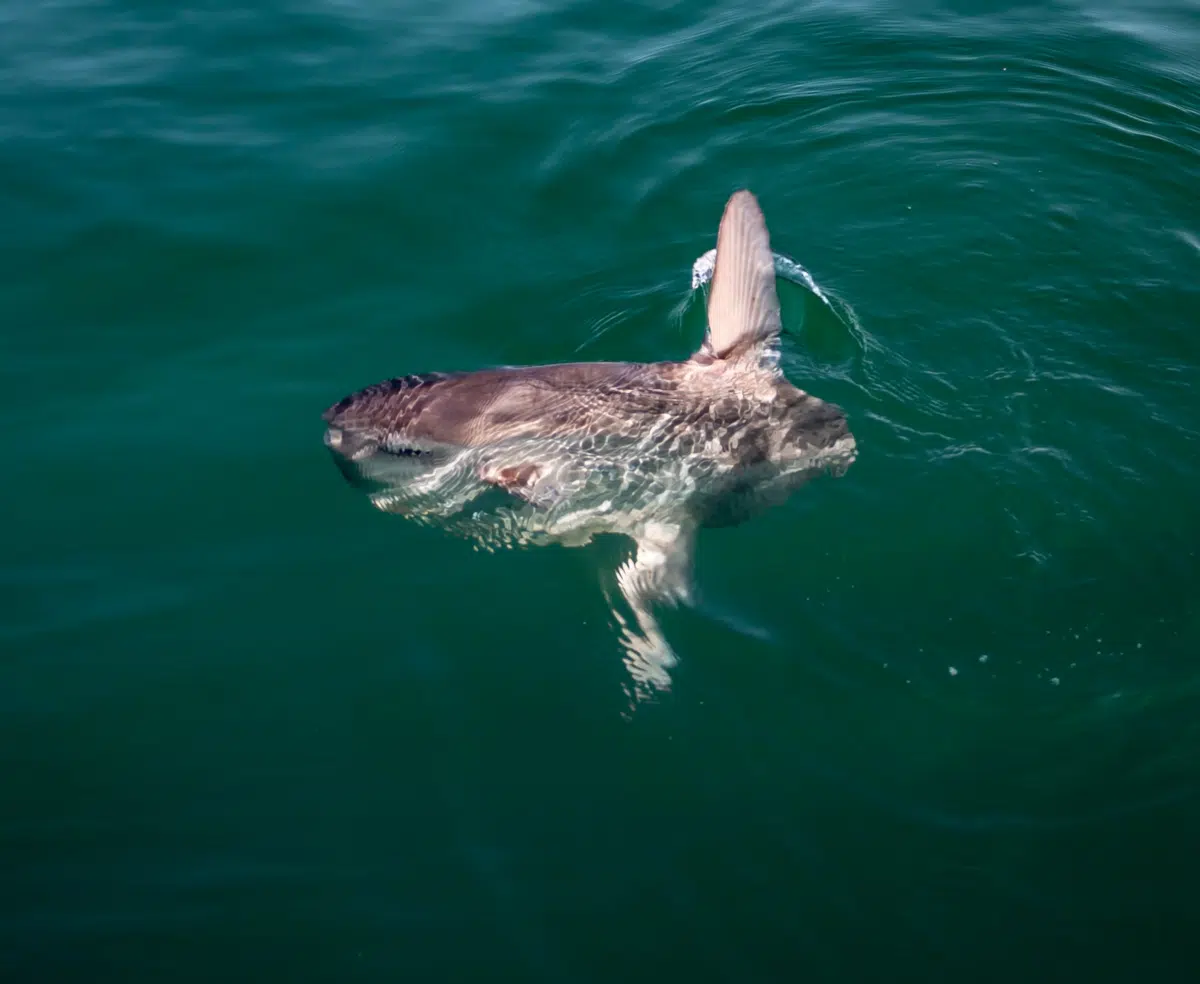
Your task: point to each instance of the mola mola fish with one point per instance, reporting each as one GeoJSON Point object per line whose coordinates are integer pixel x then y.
{"type": "Point", "coordinates": [654, 451]}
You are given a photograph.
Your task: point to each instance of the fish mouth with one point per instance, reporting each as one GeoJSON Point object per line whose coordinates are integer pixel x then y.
{"type": "Point", "coordinates": [356, 457]}
{"type": "Point", "coordinates": [350, 445]}
{"type": "Point", "coordinates": [383, 463]}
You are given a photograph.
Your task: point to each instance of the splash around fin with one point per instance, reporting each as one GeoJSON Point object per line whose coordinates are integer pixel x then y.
{"type": "Point", "coordinates": [743, 306]}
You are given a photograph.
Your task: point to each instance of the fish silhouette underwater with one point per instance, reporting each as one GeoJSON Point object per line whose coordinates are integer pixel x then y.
{"type": "Point", "coordinates": [531, 455]}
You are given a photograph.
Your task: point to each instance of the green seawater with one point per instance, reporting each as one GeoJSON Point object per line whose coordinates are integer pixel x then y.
{"type": "Point", "coordinates": [937, 719]}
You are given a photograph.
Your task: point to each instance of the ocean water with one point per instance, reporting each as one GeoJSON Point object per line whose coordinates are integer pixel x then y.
{"type": "Point", "coordinates": [936, 719]}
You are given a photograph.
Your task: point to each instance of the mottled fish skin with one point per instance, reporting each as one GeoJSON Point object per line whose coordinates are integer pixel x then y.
{"type": "Point", "coordinates": [639, 424]}
{"type": "Point", "coordinates": [650, 450]}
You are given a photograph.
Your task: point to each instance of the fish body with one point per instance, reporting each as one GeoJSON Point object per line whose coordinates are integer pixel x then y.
{"type": "Point", "coordinates": [654, 451]}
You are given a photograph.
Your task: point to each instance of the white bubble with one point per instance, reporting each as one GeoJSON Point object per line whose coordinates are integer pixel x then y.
{"type": "Point", "coordinates": [953, 671]}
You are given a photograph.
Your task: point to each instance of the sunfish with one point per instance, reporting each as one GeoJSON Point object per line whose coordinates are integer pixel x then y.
{"type": "Point", "coordinates": [654, 451]}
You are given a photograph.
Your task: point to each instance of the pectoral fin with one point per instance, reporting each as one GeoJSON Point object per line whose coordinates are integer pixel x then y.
{"type": "Point", "coordinates": [526, 480]}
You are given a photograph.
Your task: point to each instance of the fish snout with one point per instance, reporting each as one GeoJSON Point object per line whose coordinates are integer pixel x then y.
{"type": "Point", "coordinates": [350, 443]}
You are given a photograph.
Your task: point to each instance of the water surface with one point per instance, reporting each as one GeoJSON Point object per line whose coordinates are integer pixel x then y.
{"type": "Point", "coordinates": [935, 719]}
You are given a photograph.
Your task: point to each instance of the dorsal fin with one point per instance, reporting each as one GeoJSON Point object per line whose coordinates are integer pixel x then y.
{"type": "Point", "coordinates": [743, 307]}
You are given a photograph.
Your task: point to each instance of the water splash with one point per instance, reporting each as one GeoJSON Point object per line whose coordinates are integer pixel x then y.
{"type": "Point", "coordinates": [787, 269]}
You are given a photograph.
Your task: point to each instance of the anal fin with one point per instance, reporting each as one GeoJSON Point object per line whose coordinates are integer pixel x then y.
{"type": "Point", "coordinates": [658, 574]}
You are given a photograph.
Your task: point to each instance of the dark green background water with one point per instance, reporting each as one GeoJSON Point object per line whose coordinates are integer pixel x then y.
{"type": "Point", "coordinates": [251, 729]}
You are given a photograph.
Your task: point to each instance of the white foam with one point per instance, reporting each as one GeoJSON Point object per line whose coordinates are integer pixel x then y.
{"type": "Point", "coordinates": [702, 271]}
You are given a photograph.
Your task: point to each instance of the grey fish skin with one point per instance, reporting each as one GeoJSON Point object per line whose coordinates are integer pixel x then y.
{"type": "Point", "coordinates": [653, 451]}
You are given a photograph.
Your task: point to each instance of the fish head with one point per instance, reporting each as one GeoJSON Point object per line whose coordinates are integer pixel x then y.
{"type": "Point", "coordinates": [379, 439]}
{"type": "Point", "coordinates": [351, 443]}
{"type": "Point", "coordinates": [356, 451]}
{"type": "Point", "coordinates": [371, 455]}
{"type": "Point", "coordinates": [352, 434]}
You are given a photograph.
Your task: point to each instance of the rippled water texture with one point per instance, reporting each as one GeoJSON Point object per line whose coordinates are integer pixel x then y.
{"type": "Point", "coordinates": [934, 719]}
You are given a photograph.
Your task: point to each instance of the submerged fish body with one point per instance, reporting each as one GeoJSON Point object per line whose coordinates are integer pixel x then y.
{"type": "Point", "coordinates": [621, 443]}
{"type": "Point", "coordinates": [654, 451]}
